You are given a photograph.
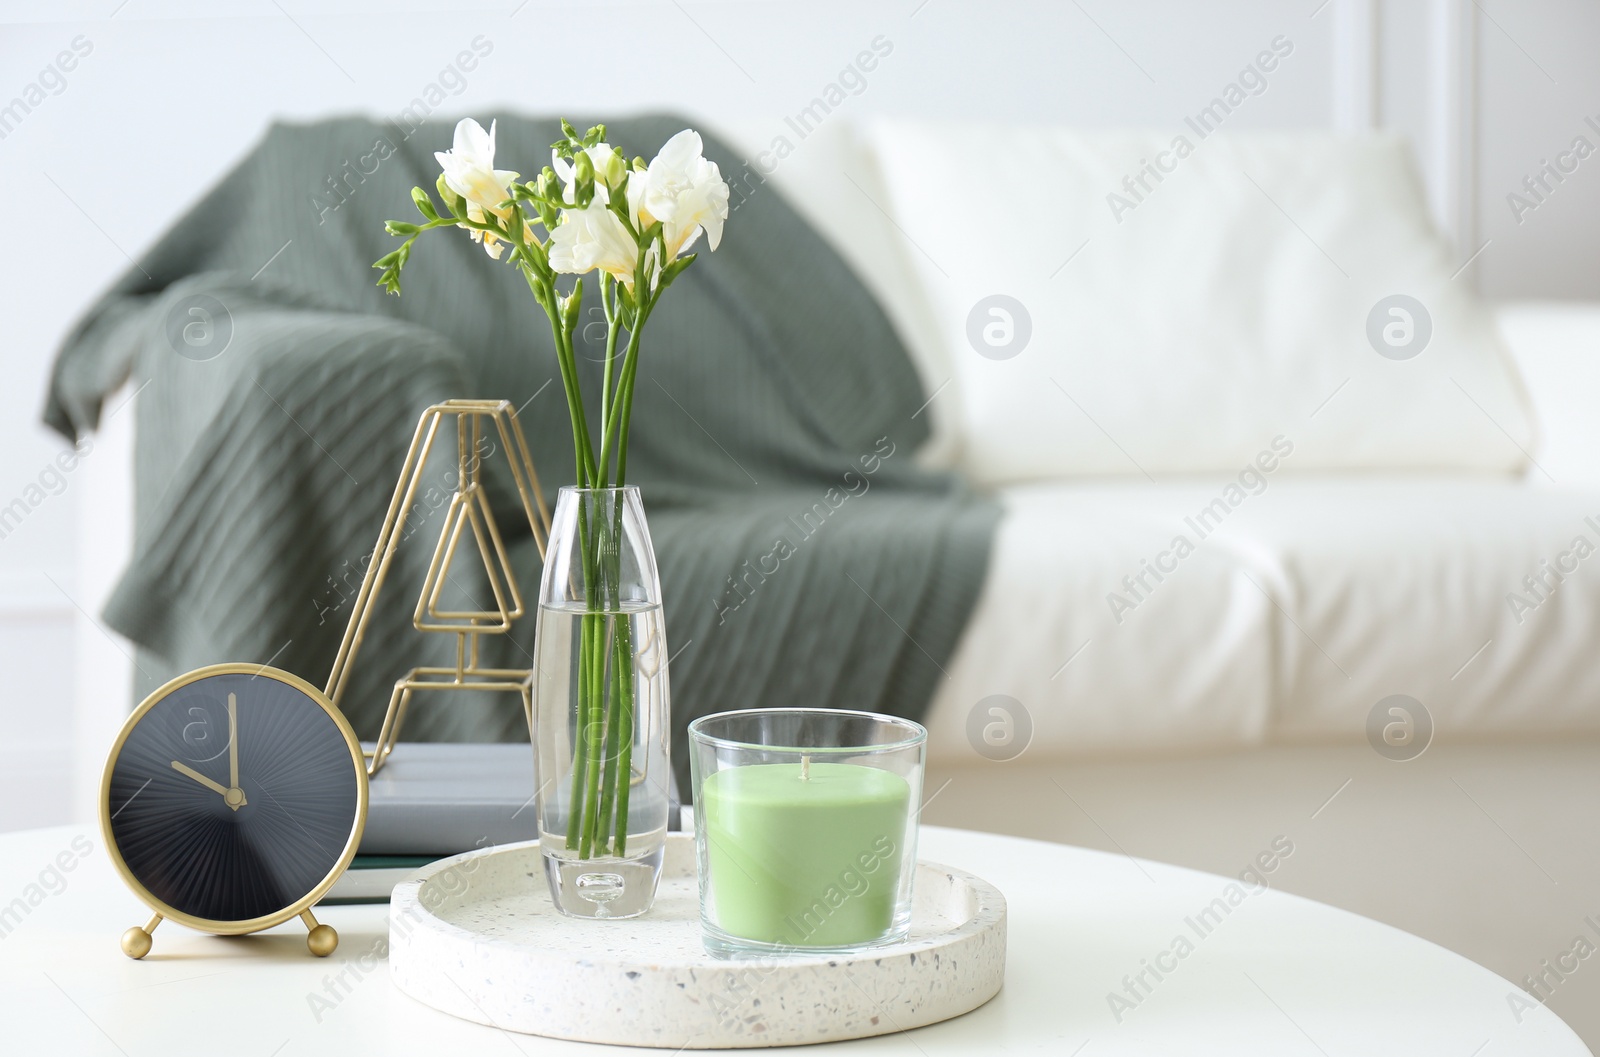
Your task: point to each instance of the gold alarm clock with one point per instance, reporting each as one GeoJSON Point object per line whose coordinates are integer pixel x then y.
{"type": "Point", "coordinates": [233, 798]}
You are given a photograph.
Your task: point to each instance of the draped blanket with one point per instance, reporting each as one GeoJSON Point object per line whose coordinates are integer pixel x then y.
{"type": "Point", "coordinates": [805, 559]}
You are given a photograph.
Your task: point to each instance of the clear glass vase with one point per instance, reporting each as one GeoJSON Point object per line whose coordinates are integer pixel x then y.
{"type": "Point", "coordinates": [602, 715]}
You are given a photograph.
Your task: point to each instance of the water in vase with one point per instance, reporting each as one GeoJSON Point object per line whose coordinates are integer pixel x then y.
{"type": "Point", "coordinates": [602, 729]}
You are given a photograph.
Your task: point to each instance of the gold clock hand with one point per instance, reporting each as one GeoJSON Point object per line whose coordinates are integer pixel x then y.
{"type": "Point", "coordinates": [234, 797]}
{"type": "Point", "coordinates": [233, 741]}
{"type": "Point", "coordinates": [197, 776]}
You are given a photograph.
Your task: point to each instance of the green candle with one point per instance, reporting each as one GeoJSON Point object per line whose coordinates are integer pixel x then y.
{"type": "Point", "coordinates": [805, 854]}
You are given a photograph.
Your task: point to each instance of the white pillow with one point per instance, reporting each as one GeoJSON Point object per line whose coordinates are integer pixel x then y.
{"type": "Point", "coordinates": [1182, 325]}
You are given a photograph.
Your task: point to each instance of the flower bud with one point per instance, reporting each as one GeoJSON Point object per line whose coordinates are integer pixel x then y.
{"type": "Point", "coordinates": [452, 201]}
{"type": "Point", "coordinates": [570, 307]}
{"type": "Point", "coordinates": [423, 203]}
{"type": "Point", "coordinates": [583, 178]}
{"type": "Point", "coordinates": [616, 169]}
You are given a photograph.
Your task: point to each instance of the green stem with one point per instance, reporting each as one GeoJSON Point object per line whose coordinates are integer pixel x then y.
{"type": "Point", "coordinates": [593, 730]}
{"type": "Point", "coordinates": [623, 769]}
{"type": "Point", "coordinates": [585, 750]}
{"type": "Point", "coordinates": [625, 713]}
{"type": "Point", "coordinates": [616, 435]}
{"type": "Point", "coordinates": [583, 449]}
{"type": "Point", "coordinates": [606, 283]}
{"type": "Point", "coordinates": [621, 662]}
{"type": "Point", "coordinates": [586, 747]}
{"type": "Point", "coordinates": [595, 703]}
{"type": "Point", "coordinates": [588, 474]}
{"type": "Point", "coordinates": [581, 756]}
{"type": "Point", "coordinates": [622, 418]}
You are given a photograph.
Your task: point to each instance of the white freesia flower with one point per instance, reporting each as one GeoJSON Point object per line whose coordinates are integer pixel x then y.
{"type": "Point", "coordinates": [600, 154]}
{"type": "Point", "coordinates": [591, 238]}
{"type": "Point", "coordinates": [684, 191]}
{"type": "Point", "coordinates": [469, 171]}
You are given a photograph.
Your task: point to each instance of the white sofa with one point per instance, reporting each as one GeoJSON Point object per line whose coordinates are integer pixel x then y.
{"type": "Point", "coordinates": [1377, 554]}
{"type": "Point", "coordinates": [1227, 702]}
{"type": "Point", "coordinates": [1231, 703]}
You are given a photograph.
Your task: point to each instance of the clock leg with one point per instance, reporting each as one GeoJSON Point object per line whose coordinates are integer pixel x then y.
{"type": "Point", "coordinates": [322, 939]}
{"type": "Point", "coordinates": [136, 941]}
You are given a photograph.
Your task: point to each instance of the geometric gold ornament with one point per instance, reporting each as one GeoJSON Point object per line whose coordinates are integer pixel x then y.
{"type": "Point", "coordinates": [469, 517]}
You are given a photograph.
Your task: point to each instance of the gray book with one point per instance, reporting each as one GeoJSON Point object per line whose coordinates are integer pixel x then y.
{"type": "Point", "coordinates": [371, 878]}
{"type": "Point", "coordinates": [438, 799]}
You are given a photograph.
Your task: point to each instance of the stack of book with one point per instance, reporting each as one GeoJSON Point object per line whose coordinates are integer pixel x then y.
{"type": "Point", "coordinates": [430, 801]}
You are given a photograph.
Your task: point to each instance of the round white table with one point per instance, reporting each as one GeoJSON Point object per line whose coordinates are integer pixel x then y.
{"type": "Point", "coordinates": [1107, 955]}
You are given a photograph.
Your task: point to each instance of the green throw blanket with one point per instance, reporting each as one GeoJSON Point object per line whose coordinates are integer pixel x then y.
{"type": "Point", "coordinates": [805, 559]}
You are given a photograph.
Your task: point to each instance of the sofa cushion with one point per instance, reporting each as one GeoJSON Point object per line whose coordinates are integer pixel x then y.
{"type": "Point", "coordinates": [1142, 304]}
{"type": "Point", "coordinates": [1478, 597]}
{"type": "Point", "coordinates": [1293, 614]}
{"type": "Point", "coordinates": [1187, 667]}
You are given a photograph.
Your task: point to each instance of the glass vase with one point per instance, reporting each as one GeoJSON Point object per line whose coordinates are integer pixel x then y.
{"type": "Point", "coordinates": [601, 707]}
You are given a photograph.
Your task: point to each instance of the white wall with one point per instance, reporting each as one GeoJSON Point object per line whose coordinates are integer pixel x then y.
{"type": "Point", "coordinates": [171, 94]}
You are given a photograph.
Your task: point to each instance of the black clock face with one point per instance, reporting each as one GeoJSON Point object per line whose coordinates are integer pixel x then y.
{"type": "Point", "coordinates": [233, 797]}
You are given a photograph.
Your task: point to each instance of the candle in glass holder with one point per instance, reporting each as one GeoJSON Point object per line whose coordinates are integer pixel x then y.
{"type": "Point", "coordinates": [805, 827]}
{"type": "Point", "coordinates": [805, 854]}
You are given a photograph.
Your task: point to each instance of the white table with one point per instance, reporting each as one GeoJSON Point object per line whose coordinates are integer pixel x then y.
{"type": "Point", "coordinates": [1279, 975]}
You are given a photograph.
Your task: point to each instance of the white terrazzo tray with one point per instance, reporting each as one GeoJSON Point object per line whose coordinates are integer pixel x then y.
{"type": "Point", "coordinates": [477, 937]}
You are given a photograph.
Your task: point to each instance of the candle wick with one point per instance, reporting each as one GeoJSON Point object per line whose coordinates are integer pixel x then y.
{"type": "Point", "coordinates": [805, 768]}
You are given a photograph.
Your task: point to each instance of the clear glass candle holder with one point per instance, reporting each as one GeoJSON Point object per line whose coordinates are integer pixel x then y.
{"type": "Point", "coordinates": [806, 828]}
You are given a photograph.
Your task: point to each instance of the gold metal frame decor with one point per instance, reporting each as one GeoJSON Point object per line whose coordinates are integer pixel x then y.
{"type": "Point", "coordinates": [469, 509]}
{"type": "Point", "coordinates": [320, 938]}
